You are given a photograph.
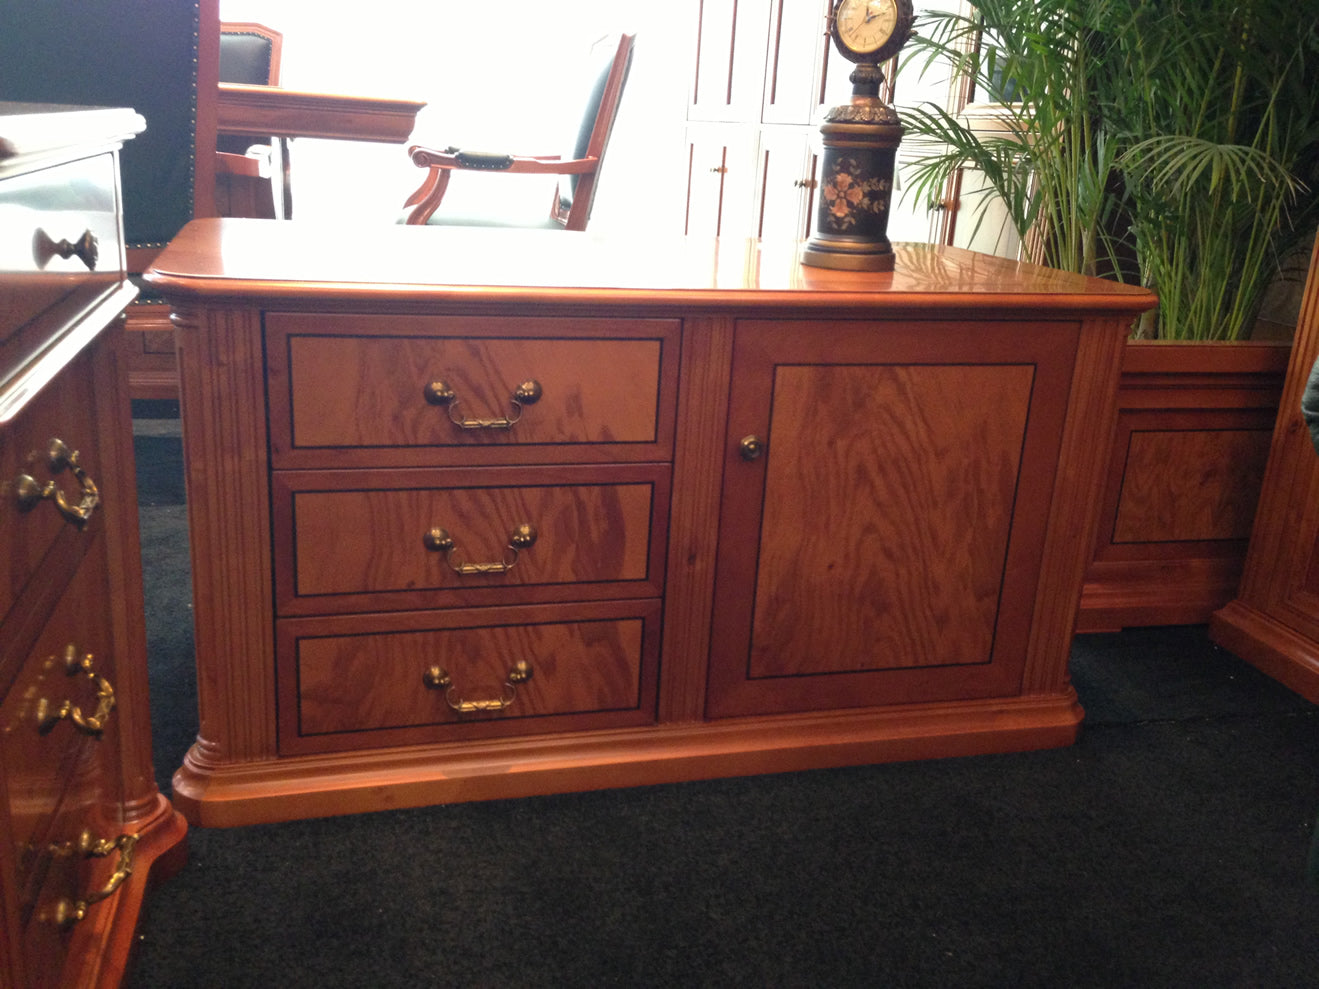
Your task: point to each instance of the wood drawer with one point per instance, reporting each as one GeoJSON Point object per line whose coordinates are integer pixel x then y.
{"type": "Point", "coordinates": [353, 390]}
{"type": "Point", "coordinates": [374, 681]}
{"type": "Point", "coordinates": [26, 535]}
{"type": "Point", "coordinates": [341, 545]}
{"type": "Point", "coordinates": [78, 860]}
{"type": "Point", "coordinates": [43, 756]}
{"type": "Point", "coordinates": [45, 213]}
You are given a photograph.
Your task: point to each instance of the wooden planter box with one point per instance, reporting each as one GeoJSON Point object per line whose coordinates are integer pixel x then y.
{"type": "Point", "coordinates": [1195, 422]}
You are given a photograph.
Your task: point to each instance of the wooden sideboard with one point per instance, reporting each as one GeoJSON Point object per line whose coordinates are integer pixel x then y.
{"type": "Point", "coordinates": [82, 823]}
{"type": "Point", "coordinates": [483, 514]}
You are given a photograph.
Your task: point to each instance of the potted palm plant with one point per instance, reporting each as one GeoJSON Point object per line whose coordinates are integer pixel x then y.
{"type": "Point", "coordinates": [1174, 142]}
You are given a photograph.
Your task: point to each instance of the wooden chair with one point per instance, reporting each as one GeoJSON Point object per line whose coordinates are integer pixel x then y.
{"type": "Point", "coordinates": [249, 170]}
{"type": "Point", "coordinates": [571, 206]}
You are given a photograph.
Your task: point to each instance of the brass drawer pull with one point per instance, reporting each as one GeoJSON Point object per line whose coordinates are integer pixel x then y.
{"type": "Point", "coordinates": [69, 912]}
{"type": "Point", "coordinates": [441, 393]}
{"type": "Point", "coordinates": [438, 540]}
{"type": "Point", "coordinates": [31, 492]}
{"type": "Point", "coordinates": [751, 448]}
{"type": "Point", "coordinates": [437, 678]}
{"type": "Point", "coordinates": [49, 715]}
{"type": "Point", "coordinates": [86, 247]}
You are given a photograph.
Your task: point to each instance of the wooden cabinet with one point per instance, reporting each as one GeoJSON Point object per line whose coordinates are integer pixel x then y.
{"type": "Point", "coordinates": [81, 821]}
{"type": "Point", "coordinates": [1274, 620]}
{"type": "Point", "coordinates": [478, 514]}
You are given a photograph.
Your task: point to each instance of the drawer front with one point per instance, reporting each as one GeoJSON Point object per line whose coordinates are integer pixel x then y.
{"type": "Point", "coordinates": [79, 858]}
{"type": "Point", "coordinates": [46, 214]}
{"type": "Point", "coordinates": [453, 538]}
{"type": "Point", "coordinates": [45, 754]}
{"type": "Point", "coordinates": [450, 390]}
{"type": "Point", "coordinates": [440, 676]}
{"type": "Point", "coordinates": [61, 412]}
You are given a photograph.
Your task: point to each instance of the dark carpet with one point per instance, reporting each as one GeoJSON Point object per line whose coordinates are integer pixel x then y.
{"type": "Point", "coordinates": [1166, 848]}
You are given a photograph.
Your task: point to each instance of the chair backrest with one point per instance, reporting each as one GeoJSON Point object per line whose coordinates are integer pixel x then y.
{"type": "Point", "coordinates": [610, 59]}
{"type": "Point", "coordinates": [249, 53]}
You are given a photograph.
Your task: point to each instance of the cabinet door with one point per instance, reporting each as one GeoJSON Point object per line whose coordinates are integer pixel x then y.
{"type": "Point", "coordinates": [729, 74]}
{"type": "Point", "coordinates": [798, 48]}
{"type": "Point", "coordinates": [721, 181]}
{"type": "Point", "coordinates": [884, 546]}
{"type": "Point", "coordinates": [789, 166]}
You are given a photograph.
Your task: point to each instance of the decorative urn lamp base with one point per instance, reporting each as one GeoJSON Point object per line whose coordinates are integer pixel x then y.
{"type": "Point", "coordinates": [860, 141]}
{"type": "Point", "coordinates": [856, 181]}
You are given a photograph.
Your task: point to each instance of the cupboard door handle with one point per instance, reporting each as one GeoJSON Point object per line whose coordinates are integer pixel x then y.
{"type": "Point", "coordinates": [437, 678]}
{"type": "Point", "coordinates": [30, 492]}
{"type": "Point", "coordinates": [751, 448]}
{"type": "Point", "coordinates": [69, 912]}
{"type": "Point", "coordinates": [86, 247]}
{"type": "Point", "coordinates": [440, 392]}
{"type": "Point", "coordinates": [49, 715]}
{"type": "Point", "coordinates": [438, 540]}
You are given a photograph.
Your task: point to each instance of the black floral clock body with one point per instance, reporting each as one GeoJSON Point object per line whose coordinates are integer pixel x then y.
{"type": "Point", "coordinates": [861, 141]}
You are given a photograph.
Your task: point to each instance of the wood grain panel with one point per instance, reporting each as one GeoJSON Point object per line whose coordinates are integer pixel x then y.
{"type": "Point", "coordinates": [601, 532]}
{"type": "Point", "coordinates": [56, 413]}
{"type": "Point", "coordinates": [224, 414]}
{"type": "Point", "coordinates": [883, 549]}
{"type": "Point", "coordinates": [351, 683]}
{"type": "Point", "coordinates": [1183, 485]}
{"type": "Point", "coordinates": [604, 384]}
{"type": "Point", "coordinates": [1180, 574]}
{"type": "Point", "coordinates": [867, 560]}
{"type": "Point", "coordinates": [694, 520]}
{"type": "Point", "coordinates": [39, 764]}
{"type": "Point", "coordinates": [1073, 510]}
{"type": "Point", "coordinates": [370, 541]}
{"type": "Point", "coordinates": [372, 682]}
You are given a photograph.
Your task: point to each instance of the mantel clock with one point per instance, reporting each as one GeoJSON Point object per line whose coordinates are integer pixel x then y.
{"type": "Point", "coordinates": [860, 142]}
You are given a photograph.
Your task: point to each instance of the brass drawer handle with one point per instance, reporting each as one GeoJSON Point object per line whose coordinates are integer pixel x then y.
{"type": "Point", "coordinates": [30, 492]}
{"type": "Point", "coordinates": [441, 393]}
{"type": "Point", "coordinates": [49, 715]}
{"type": "Point", "coordinates": [68, 912]}
{"type": "Point", "coordinates": [438, 540]}
{"type": "Point", "coordinates": [437, 678]}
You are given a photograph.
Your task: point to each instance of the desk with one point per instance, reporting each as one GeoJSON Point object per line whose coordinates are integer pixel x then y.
{"type": "Point", "coordinates": [286, 113]}
{"type": "Point", "coordinates": [82, 824]}
{"type": "Point", "coordinates": [480, 513]}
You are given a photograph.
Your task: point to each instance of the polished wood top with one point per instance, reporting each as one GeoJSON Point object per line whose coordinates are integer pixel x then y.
{"type": "Point", "coordinates": [31, 133]}
{"type": "Point", "coordinates": [305, 261]}
{"type": "Point", "coordinates": [243, 109]}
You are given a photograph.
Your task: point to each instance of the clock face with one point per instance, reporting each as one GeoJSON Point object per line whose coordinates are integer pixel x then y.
{"type": "Point", "coordinates": [865, 25]}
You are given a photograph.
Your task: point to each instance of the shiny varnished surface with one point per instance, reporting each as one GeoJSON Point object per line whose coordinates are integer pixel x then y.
{"type": "Point", "coordinates": [244, 109]}
{"type": "Point", "coordinates": [350, 547]}
{"type": "Point", "coordinates": [355, 388]}
{"type": "Point", "coordinates": [902, 498]}
{"type": "Point", "coordinates": [1274, 620]}
{"type": "Point", "coordinates": [934, 438]}
{"type": "Point", "coordinates": [70, 563]}
{"type": "Point", "coordinates": [587, 668]}
{"type": "Point", "coordinates": [219, 258]}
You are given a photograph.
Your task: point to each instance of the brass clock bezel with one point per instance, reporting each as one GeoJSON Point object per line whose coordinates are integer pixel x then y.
{"type": "Point", "coordinates": [901, 33]}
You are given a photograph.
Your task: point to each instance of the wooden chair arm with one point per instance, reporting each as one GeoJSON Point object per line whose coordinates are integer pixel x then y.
{"type": "Point", "coordinates": [441, 164]}
{"type": "Point", "coordinates": [458, 160]}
